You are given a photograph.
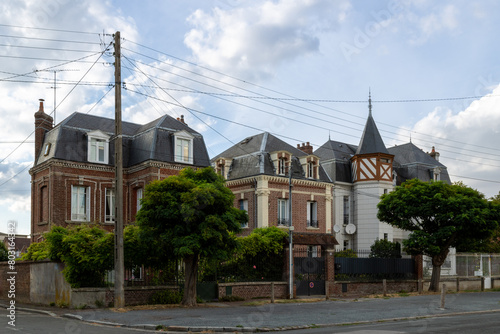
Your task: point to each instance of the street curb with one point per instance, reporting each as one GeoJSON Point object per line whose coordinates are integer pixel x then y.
{"type": "Point", "coordinates": [32, 310]}
{"type": "Point", "coordinates": [198, 329]}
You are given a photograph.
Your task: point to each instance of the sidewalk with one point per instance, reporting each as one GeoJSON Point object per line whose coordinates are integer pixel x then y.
{"type": "Point", "coordinates": [240, 317]}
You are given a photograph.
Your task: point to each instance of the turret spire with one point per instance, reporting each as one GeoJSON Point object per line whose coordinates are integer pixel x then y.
{"type": "Point", "coordinates": [369, 102]}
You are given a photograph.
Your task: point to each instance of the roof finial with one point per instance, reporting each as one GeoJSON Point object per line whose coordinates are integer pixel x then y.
{"type": "Point", "coordinates": [369, 102]}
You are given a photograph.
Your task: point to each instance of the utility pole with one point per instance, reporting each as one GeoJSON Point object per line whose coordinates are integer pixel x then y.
{"type": "Point", "coordinates": [290, 228]}
{"type": "Point", "coordinates": [119, 261]}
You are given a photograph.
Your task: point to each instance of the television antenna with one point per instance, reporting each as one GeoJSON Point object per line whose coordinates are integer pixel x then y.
{"type": "Point", "coordinates": [55, 86]}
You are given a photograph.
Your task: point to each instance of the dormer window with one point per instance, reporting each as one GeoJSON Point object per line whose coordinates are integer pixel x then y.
{"type": "Point", "coordinates": [183, 147]}
{"type": "Point", "coordinates": [310, 166]}
{"type": "Point", "coordinates": [282, 166]}
{"type": "Point", "coordinates": [222, 167]}
{"type": "Point", "coordinates": [435, 174]}
{"type": "Point", "coordinates": [98, 147]}
{"type": "Point", "coordinates": [46, 151]}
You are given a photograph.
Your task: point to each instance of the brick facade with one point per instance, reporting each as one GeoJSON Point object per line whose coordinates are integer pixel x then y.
{"type": "Point", "coordinates": [56, 172]}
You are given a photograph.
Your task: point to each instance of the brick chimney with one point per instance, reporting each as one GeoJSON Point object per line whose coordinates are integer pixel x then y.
{"type": "Point", "coordinates": [181, 119]}
{"type": "Point", "coordinates": [434, 154]}
{"type": "Point", "coordinates": [43, 123]}
{"type": "Point", "coordinates": [306, 148]}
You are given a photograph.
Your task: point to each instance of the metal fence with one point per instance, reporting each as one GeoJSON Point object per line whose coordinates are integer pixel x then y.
{"type": "Point", "coordinates": [248, 268]}
{"type": "Point", "coordinates": [472, 264]}
{"type": "Point", "coordinates": [357, 265]}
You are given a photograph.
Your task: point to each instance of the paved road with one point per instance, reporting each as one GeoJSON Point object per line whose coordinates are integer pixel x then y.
{"type": "Point", "coordinates": [485, 323]}
{"type": "Point", "coordinates": [299, 314]}
{"type": "Point", "coordinates": [36, 323]}
{"type": "Point", "coordinates": [236, 317]}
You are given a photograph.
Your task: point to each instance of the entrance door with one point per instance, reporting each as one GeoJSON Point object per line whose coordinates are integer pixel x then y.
{"type": "Point", "coordinates": [309, 275]}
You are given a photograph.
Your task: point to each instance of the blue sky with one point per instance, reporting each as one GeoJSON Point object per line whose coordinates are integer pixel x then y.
{"type": "Point", "coordinates": [300, 69]}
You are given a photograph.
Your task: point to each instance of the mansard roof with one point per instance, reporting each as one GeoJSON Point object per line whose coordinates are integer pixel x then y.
{"type": "Point", "coordinates": [252, 156]}
{"type": "Point", "coordinates": [151, 141]}
{"type": "Point", "coordinates": [263, 142]}
{"type": "Point", "coordinates": [411, 162]}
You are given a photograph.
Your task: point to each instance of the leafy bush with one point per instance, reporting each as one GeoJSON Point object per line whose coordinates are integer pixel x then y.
{"type": "Point", "coordinates": [346, 253]}
{"type": "Point", "coordinates": [37, 251]}
{"type": "Point", "coordinates": [385, 249]}
{"type": "Point", "coordinates": [260, 257]}
{"type": "Point", "coordinates": [166, 297]}
{"type": "Point", "coordinates": [4, 252]}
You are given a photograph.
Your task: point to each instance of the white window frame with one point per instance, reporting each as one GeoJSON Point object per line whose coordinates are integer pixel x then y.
{"type": "Point", "coordinates": [243, 203]}
{"type": "Point", "coordinates": [312, 214]}
{"type": "Point", "coordinates": [283, 209]}
{"type": "Point", "coordinates": [346, 210]}
{"type": "Point", "coordinates": [310, 170]}
{"type": "Point", "coordinates": [110, 206]}
{"type": "Point", "coordinates": [179, 149]}
{"type": "Point", "coordinates": [95, 137]}
{"type": "Point", "coordinates": [76, 197]}
{"type": "Point", "coordinates": [281, 166]}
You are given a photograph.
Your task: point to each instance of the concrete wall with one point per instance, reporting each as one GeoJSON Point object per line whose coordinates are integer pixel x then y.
{"type": "Point", "coordinates": [47, 283]}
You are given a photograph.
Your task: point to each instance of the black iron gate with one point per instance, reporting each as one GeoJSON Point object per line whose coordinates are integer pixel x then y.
{"type": "Point", "coordinates": [309, 275]}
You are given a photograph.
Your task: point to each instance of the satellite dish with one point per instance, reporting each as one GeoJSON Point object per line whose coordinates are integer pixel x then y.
{"type": "Point", "coordinates": [336, 228]}
{"type": "Point", "coordinates": [350, 229]}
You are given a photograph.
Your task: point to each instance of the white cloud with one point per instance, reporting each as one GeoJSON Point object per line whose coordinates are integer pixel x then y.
{"type": "Point", "coordinates": [467, 140]}
{"type": "Point", "coordinates": [251, 41]}
{"type": "Point", "coordinates": [435, 19]}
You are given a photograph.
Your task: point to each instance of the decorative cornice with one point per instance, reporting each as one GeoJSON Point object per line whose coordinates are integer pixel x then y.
{"type": "Point", "coordinates": [106, 168]}
{"type": "Point", "coordinates": [277, 179]}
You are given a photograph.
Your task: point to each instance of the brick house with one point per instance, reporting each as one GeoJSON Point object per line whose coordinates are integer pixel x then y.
{"type": "Point", "coordinates": [72, 180]}
{"type": "Point", "coordinates": [336, 188]}
{"type": "Point", "coordinates": [257, 170]}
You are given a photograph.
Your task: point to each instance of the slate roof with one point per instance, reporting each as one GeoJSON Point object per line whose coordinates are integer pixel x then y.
{"type": "Point", "coordinates": [252, 156]}
{"type": "Point", "coordinates": [335, 157]}
{"type": "Point", "coordinates": [411, 162]}
{"type": "Point", "coordinates": [263, 142]}
{"type": "Point", "coordinates": [371, 141]}
{"type": "Point", "coordinates": [152, 141]}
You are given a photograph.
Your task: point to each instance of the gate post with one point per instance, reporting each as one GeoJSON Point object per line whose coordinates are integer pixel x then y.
{"type": "Point", "coordinates": [329, 270]}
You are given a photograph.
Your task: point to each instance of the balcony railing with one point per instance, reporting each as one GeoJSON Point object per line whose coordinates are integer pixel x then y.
{"type": "Point", "coordinates": [283, 222]}
{"type": "Point", "coordinates": [312, 223]}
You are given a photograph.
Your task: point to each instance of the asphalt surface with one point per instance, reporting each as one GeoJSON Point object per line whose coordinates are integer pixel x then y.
{"type": "Point", "coordinates": [228, 317]}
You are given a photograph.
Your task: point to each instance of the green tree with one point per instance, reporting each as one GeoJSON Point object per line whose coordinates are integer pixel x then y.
{"type": "Point", "coordinates": [385, 249]}
{"type": "Point", "coordinates": [87, 252]}
{"type": "Point", "coordinates": [439, 216]}
{"type": "Point", "coordinates": [4, 252]}
{"type": "Point", "coordinates": [190, 216]}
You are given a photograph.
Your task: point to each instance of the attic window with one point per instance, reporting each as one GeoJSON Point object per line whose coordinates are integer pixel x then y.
{"type": "Point", "coordinates": [98, 147]}
{"type": "Point", "coordinates": [183, 147]}
{"type": "Point", "coordinates": [46, 151]}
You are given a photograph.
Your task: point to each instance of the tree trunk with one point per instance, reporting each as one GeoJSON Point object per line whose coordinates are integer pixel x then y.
{"type": "Point", "coordinates": [437, 262]}
{"type": "Point", "coordinates": [190, 278]}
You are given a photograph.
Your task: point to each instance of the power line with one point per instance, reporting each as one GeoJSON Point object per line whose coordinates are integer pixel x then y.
{"type": "Point", "coordinates": [285, 102]}
{"type": "Point", "coordinates": [48, 29]}
{"type": "Point", "coordinates": [51, 40]}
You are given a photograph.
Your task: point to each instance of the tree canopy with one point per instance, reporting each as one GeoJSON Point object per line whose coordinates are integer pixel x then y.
{"type": "Point", "coordinates": [439, 216]}
{"type": "Point", "coordinates": [190, 216]}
